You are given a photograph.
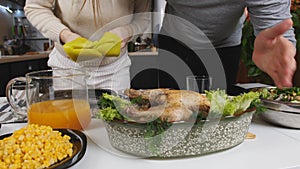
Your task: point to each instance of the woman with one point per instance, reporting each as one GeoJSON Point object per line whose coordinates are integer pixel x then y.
{"type": "Point", "coordinates": [65, 21]}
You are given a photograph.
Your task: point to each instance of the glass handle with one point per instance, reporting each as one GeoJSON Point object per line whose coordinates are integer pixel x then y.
{"type": "Point", "coordinates": [19, 82]}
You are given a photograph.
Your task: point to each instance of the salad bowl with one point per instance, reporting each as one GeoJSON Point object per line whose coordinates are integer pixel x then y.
{"type": "Point", "coordinates": [282, 106]}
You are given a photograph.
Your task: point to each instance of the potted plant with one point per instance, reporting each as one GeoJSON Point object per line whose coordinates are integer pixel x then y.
{"type": "Point", "coordinates": [295, 10]}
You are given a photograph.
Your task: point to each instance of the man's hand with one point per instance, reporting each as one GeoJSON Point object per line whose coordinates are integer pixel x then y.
{"type": "Point", "coordinates": [275, 54]}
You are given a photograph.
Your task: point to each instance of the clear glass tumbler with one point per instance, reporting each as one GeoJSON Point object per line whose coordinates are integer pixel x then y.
{"type": "Point", "coordinates": [199, 83]}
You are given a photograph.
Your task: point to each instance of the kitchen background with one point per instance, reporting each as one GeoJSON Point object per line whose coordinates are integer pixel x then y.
{"type": "Point", "coordinates": [18, 36]}
{"type": "Point", "coordinates": [24, 49]}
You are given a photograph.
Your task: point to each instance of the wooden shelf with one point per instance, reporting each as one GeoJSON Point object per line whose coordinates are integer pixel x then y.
{"type": "Point", "coordinates": [42, 38]}
{"type": "Point", "coordinates": [143, 53]}
{"type": "Point", "coordinates": [18, 58]}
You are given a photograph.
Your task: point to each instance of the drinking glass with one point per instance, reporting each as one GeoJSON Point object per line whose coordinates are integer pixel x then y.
{"type": "Point", "coordinates": [57, 98]}
{"type": "Point", "coordinates": [199, 83]}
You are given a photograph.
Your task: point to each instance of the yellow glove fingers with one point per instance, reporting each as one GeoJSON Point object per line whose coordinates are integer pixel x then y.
{"type": "Point", "coordinates": [108, 49]}
{"type": "Point", "coordinates": [71, 52]}
{"type": "Point", "coordinates": [109, 44]}
{"type": "Point", "coordinates": [90, 53]}
{"type": "Point", "coordinates": [80, 43]}
{"type": "Point", "coordinates": [78, 47]}
{"type": "Point", "coordinates": [82, 54]}
{"type": "Point", "coordinates": [109, 37]}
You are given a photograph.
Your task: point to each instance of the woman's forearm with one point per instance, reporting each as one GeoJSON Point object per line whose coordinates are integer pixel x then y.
{"type": "Point", "coordinates": [40, 15]}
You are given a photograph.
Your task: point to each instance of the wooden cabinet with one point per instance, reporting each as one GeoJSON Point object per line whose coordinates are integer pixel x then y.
{"type": "Point", "coordinates": [14, 69]}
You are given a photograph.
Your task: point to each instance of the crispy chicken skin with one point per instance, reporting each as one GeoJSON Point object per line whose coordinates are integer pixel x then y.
{"type": "Point", "coordinates": [168, 105]}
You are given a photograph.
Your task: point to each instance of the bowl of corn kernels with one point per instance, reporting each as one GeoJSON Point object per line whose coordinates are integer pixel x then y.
{"type": "Point", "coordinates": [39, 146]}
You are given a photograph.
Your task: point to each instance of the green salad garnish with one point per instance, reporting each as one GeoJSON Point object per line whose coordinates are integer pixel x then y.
{"type": "Point", "coordinates": [229, 106]}
{"type": "Point", "coordinates": [109, 106]}
{"type": "Point", "coordinates": [285, 94]}
{"type": "Point", "coordinates": [221, 103]}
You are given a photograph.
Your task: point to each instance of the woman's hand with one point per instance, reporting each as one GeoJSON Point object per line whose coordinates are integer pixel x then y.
{"type": "Point", "coordinates": [275, 54]}
{"type": "Point", "coordinates": [67, 36]}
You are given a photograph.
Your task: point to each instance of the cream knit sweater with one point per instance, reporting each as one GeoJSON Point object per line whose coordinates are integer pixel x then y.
{"type": "Point", "coordinates": [50, 17]}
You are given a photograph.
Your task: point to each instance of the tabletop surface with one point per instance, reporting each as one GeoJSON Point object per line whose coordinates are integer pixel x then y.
{"type": "Point", "coordinates": [273, 148]}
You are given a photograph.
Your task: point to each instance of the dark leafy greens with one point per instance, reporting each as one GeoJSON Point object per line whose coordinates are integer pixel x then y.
{"type": "Point", "coordinates": [286, 94]}
{"type": "Point", "coordinates": [109, 106]}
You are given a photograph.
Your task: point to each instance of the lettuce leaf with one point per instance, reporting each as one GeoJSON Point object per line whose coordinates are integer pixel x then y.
{"type": "Point", "coordinates": [110, 107]}
{"type": "Point", "coordinates": [230, 105]}
{"type": "Point", "coordinates": [221, 104]}
{"type": "Point", "coordinates": [109, 114]}
{"type": "Point", "coordinates": [217, 100]}
{"type": "Point", "coordinates": [244, 101]}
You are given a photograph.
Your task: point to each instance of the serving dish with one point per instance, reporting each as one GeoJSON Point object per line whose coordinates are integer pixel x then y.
{"type": "Point", "coordinates": [281, 112]}
{"type": "Point", "coordinates": [79, 141]}
{"type": "Point", "coordinates": [281, 118]}
{"type": "Point", "coordinates": [182, 139]}
{"type": "Point", "coordinates": [164, 123]}
{"type": "Point", "coordinates": [281, 105]}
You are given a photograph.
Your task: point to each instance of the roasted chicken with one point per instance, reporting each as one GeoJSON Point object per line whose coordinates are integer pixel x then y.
{"type": "Point", "coordinates": [168, 105]}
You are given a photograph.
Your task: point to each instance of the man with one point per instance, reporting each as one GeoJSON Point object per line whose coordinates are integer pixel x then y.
{"type": "Point", "coordinates": [222, 22]}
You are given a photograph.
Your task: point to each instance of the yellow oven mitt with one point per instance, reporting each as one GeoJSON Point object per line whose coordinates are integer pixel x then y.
{"type": "Point", "coordinates": [108, 45]}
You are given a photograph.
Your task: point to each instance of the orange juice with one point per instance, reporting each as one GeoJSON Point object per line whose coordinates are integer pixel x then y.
{"type": "Point", "coordinates": [66, 113]}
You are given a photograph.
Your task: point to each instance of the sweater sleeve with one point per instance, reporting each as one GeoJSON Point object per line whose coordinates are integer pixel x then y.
{"type": "Point", "coordinates": [140, 20]}
{"type": "Point", "coordinates": [40, 15]}
{"type": "Point", "coordinates": [267, 13]}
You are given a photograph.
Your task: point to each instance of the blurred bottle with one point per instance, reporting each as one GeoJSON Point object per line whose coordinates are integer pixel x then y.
{"type": "Point", "coordinates": [131, 47]}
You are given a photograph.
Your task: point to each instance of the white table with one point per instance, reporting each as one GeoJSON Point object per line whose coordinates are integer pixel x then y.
{"type": "Point", "coordinates": [273, 148]}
